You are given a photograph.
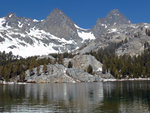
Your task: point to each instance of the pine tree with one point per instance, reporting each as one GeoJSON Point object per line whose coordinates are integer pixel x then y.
{"type": "Point", "coordinates": [70, 64]}
{"type": "Point", "coordinates": [104, 68]}
{"type": "Point", "coordinates": [22, 77]}
{"type": "Point", "coordinates": [60, 59]}
{"type": "Point", "coordinates": [1, 71]}
{"type": "Point", "coordinates": [38, 70]}
{"type": "Point", "coordinates": [45, 68]}
{"type": "Point", "coordinates": [90, 69]}
{"type": "Point", "coordinates": [147, 32]}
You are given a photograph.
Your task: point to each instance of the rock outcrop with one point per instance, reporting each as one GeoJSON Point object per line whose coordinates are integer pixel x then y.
{"type": "Point", "coordinates": [58, 74]}
{"type": "Point", "coordinates": [83, 61]}
{"type": "Point", "coordinates": [55, 73]}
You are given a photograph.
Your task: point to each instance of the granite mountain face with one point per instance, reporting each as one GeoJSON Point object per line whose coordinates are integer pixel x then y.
{"type": "Point", "coordinates": [58, 33]}
{"type": "Point", "coordinates": [116, 28]}
{"type": "Point", "coordinates": [114, 17]}
{"type": "Point", "coordinates": [58, 24]}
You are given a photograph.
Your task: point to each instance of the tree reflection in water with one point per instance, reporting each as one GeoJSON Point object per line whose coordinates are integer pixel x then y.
{"type": "Point", "coordinates": [112, 97]}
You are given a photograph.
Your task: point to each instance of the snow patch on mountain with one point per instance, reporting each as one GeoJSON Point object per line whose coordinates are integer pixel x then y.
{"type": "Point", "coordinates": [20, 25]}
{"type": "Point", "coordinates": [10, 15]}
{"type": "Point", "coordinates": [104, 25]}
{"type": "Point", "coordinates": [30, 42]}
{"type": "Point", "coordinates": [24, 49]}
{"type": "Point", "coordinates": [146, 26]}
{"type": "Point", "coordinates": [112, 30]}
{"type": "Point", "coordinates": [34, 20]}
{"type": "Point", "coordinates": [79, 28]}
{"type": "Point", "coordinates": [29, 50]}
{"type": "Point", "coordinates": [2, 21]}
{"type": "Point", "coordinates": [2, 27]}
{"type": "Point", "coordinates": [84, 34]}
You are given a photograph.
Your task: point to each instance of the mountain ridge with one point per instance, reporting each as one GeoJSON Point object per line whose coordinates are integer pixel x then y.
{"type": "Point", "coordinates": [57, 33]}
{"type": "Point", "coordinates": [20, 33]}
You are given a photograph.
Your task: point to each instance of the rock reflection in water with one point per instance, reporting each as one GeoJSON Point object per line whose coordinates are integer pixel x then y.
{"type": "Point", "coordinates": [80, 97]}
{"type": "Point", "coordinates": [107, 97]}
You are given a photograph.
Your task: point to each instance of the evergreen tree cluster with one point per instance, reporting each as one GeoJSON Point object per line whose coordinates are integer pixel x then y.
{"type": "Point", "coordinates": [59, 57]}
{"type": "Point", "coordinates": [124, 66]}
{"type": "Point", "coordinates": [11, 66]}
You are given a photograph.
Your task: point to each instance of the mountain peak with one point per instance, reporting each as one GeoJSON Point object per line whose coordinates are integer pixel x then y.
{"type": "Point", "coordinates": [56, 17]}
{"type": "Point", "coordinates": [60, 25]}
{"type": "Point", "coordinates": [114, 17]}
{"type": "Point", "coordinates": [11, 15]}
{"type": "Point", "coordinates": [56, 12]}
{"type": "Point", "coordinates": [114, 11]}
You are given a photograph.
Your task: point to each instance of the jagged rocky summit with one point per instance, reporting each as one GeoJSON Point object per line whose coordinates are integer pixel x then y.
{"type": "Point", "coordinates": [116, 28]}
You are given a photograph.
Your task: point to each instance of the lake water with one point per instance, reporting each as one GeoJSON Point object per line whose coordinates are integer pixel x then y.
{"type": "Point", "coordinates": [107, 97]}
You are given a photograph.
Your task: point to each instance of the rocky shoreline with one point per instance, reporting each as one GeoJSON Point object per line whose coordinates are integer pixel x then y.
{"type": "Point", "coordinates": [104, 80]}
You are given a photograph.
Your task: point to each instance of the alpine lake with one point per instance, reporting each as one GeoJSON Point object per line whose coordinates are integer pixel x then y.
{"type": "Point", "coordinates": [97, 97]}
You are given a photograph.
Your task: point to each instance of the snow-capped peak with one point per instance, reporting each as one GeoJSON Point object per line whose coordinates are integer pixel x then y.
{"type": "Point", "coordinates": [26, 37]}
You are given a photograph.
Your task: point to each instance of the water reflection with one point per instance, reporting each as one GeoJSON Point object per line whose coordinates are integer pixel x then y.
{"type": "Point", "coordinates": [54, 97]}
{"type": "Point", "coordinates": [126, 97]}
{"type": "Point", "coordinates": [109, 97]}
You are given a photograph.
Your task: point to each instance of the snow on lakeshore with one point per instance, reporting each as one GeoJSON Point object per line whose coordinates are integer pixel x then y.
{"type": "Point", "coordinates": [130, 79]}
{"type": "Point", "coordinates": [103, 80]}
{"type": "Point", "coordinates": [9, 83]}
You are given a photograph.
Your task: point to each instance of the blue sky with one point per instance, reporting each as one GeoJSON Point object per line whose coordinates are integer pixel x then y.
{"type": "Point", "coordinates": [83, 12]}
